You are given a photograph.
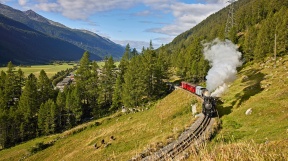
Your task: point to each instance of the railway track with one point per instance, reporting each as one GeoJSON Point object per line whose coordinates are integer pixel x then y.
{"type": "Point", "coordinates": [193, 134]}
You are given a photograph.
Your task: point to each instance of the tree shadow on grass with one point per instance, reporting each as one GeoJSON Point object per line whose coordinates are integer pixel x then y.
{"type": "Point", "coordinates": [252, 89]}
{"type": "Point", "coordinates": [223, 110]}
{"type": "Point", "coordinates": [252, 80]}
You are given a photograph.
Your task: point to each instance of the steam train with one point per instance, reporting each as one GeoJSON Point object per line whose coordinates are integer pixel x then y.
{"type": "Point", "coordinates": [209, 102]}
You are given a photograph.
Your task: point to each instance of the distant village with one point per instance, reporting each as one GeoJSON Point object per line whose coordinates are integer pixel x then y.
{"type": "Point", "coordinates": [70, 79]}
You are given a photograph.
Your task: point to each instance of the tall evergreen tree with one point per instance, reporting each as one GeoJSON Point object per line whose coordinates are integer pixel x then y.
{"type": "Point", "coordinates": [60, 103]}
{"type": "Point", "coordinates": [76, 104]}
{"type": "Point", "coordinates": [134, 53]}
{"type": "Point", "coordinates": [249, 44]}
{"type": "Point", "coordinates": [73, 107]}
{"type": "Point", "coordinates": [134, 88]}
{"type": "Point", "coordinates": [19, 83]}
{"type": "Point", "coordinates": [29, 106]}
{"type": "Point", "coordinates": [48, 117]}
{"type": "Point", "coordinates": [2, 87]}
{"type": "Point", "coordinates": [83, 75]}
{"type": "Point", "coordinates": [4, 118]}
{"type": "Point", "coordinates": [93, 90]}
{"type": "Point", "coordinates": [55, 117]}
{"type": "Point", "coordinates": [43, 115]}
{"type": "Point", "coordinates": [69, 117]}
{"type": "Point", "coordinates": [9, 91]}
{"type": "Point", "coordinates": [45, 87]}
{"type": "Point", "coordinates": [124, 63]}
{"type": "Point", "coordinates": [116, 98]}
{"type": "Point", "coordinates": [107, 81]}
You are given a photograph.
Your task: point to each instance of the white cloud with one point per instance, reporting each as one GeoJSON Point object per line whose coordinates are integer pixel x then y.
{"type": "Point", "coordinates": [143, 13]}
{"type": "Point", "coordinates": [76, 9]}
{"type": "Point", "coordinates": [164, 40]}
{"type": "Point", "coordinates": [54, 7]}
{"type": "Point", "coordinates": [22, 2]}
{"type": "Point", "coordinates": [185, 15]}
{"type": "Point", "coordinates": [138, 45]}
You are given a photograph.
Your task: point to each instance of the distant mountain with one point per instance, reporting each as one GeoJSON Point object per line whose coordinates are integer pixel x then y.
{"type": "Point", "coordinates": [86, 40]}
{"type": "Point", "coordinates": [23, 45]}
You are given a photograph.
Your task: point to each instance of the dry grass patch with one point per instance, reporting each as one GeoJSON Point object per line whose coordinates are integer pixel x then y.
{"type": "Point", "coordinates": [248, 150]}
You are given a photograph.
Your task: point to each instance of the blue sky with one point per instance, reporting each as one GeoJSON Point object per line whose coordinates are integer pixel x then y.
{"type": "Point", "coordinates": [125, 21]}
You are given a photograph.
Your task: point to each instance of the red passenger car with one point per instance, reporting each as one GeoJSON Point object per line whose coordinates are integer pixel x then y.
{"type": "Point", "coordinates": [188, 86]}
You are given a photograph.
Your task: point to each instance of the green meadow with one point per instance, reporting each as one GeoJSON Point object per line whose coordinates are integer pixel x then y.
{"type": "Point", "coordinates": [35, 69]}
{"type": "Point", "coordinates": [50, 70]}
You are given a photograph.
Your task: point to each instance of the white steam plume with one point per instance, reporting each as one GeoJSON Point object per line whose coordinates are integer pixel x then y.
{"type": "Point", "coordinates": [224, 59]}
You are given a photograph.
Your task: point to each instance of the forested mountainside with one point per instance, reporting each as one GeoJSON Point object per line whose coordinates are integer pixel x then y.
{"type": "Point", "coordinates": [256, 23]}
{"type": "Point", "coordinates": [86, 40]}
{"type": "Point", "coordinates": [23, 45]}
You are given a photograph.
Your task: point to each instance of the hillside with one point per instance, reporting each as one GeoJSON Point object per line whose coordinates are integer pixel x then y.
{"type": "Point", "coordinates": [258, 86]}
{"type": "Point", "coordinates": [133, 133]}
{"type": "Point", "coordinates": [23, 45]}
{"type": "Point", "coordinates": [262, 135]}
{"type": "Point", "coordinates": [256, 23]}
{"type": "Point", "coordinates": [86, 40]}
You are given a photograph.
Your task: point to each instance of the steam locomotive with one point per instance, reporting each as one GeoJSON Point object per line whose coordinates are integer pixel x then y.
{"type": "Point", "coordinates": [209, 102]}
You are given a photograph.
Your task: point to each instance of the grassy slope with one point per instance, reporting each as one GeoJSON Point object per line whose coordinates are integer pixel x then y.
{"type": "Point", "coordinates": [265, 90]}
{"type": "Point", "coordinates": [134, 133]}
{"type": "Point", "coordinates": [263, 135]}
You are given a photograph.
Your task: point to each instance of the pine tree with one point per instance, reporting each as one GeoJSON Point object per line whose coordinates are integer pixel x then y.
{"type": "Point", "coordinates": [116, 99]}
{"type": "Point", "coordinates": [124, 63]}
{"type": "Point", "coordinates": [249, 44]}
{"type": "Point", "coordinates": [264, 42]}
{"type": "Point", "coordinates": [42, 116]}
{"type": "Point", "coordinates": [29, 106]}
{"type": "Point", "coordinates": [2, 87]}
{"type": "Point", "coordinates": [45, 87]}
{"type": "Point", "coordinates": [134, 53]}
{"type": "Point", "coordinates": [48, 117]}
{"type": "Point", "coordinates": [14, 123]}
{"type": "Point", "coordinates": [107, 81]}
{"type": "Point", "coordinates": [19, 83]}
{"type": "Point", "coordinates": [93, 90]}
{"type": "Point", "coordinates": [60, 103]}
{"type": "Point", "coordinates": [76, 104]}
{"type": "Point", "coordinates": [9, 91]}
{"type": "Point", "coordinates": [55, 117]}
{"type": "Point", "coordinates": [4, 141]}
{"type": "Point", "coordinates": [281, 20]}
{"type": "Point", "coordinates": [73, 107]}
{"type": "Point", "coordinates": [148, 61]}
{"type": "Point", "coordinates": [134, 87]}
{"type": "Point", "coordinates": [83, 74]}
{"type": "Point", "coordinates": [160, 74]}
{"type": "Point", "coordinates": [70, 118]}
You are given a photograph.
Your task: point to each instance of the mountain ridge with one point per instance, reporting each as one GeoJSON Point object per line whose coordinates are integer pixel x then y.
{"type": "Point", "coordinates": [95, 44]}
{"type": "Point", "coordinates": [23, 45]}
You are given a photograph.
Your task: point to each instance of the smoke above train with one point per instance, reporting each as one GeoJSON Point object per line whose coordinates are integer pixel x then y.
{"type": "Point", "coordinates": [224, 58]}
